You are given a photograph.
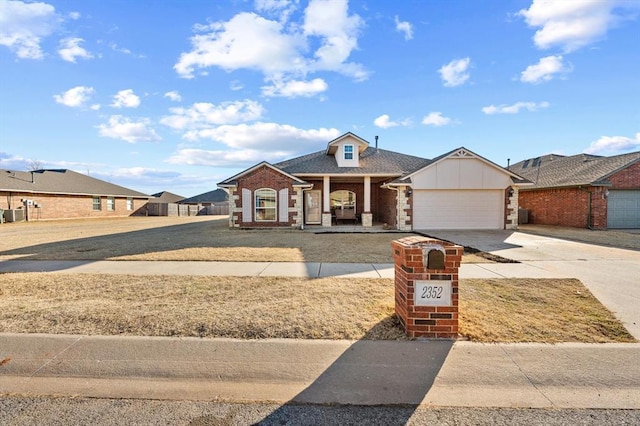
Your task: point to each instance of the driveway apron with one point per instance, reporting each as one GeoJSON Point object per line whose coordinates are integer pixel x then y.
{"type": "Point", "coordinates": [611, 274]}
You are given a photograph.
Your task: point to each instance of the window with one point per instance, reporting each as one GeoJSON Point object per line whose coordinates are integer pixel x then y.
{"type": "Point", "coordinates": [97, 205]}
{"type": "Point", "coordinates": [265, 205]}
{"type": "Point", "coordinates": [348, 152]}
{"type": "Point", "coordinates": [111, 204]}
{"type": "Point", "coordinates": [129, 203]}
{"type": "Point", "coordinates": [343, 200]}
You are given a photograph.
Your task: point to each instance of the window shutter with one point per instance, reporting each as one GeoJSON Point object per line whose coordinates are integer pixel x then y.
{"type": "Point", "coordinates": [283, 204]}
{"type": "Point", "coordinates": [246, 205]}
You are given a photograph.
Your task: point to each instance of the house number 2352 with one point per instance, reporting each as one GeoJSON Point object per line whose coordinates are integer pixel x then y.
{"type": "Point", "coordinates": [431, 292]}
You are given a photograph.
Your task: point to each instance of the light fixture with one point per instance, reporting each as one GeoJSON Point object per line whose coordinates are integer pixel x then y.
{"type": "Point", "coordinates": [408, 192]}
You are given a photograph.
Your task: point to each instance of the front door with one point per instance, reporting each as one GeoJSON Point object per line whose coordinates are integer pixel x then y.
{"type": "Point", "coordinates": [312, 208]}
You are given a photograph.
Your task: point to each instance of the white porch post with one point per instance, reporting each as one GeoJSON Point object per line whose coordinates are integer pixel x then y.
{"type": "Point", "coordinates": [326, 201]}
{"type": "Point", "coordinates": [367, 216]}
{"type": "Point", "coordinates": [367, 194]}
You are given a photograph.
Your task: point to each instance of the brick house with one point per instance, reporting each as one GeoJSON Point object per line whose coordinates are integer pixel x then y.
{"type": "Point", "coordinates": [352, 182]}
{"type": "Point", "coordinates": [64, 194]}
{"type": "Point", "coordinates": [582, 191]}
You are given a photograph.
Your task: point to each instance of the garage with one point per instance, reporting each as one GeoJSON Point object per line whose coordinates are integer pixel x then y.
{"type": "Point", "coordinates": [458, 209]}
{"type": "Point", "coordinates": [623, 209]}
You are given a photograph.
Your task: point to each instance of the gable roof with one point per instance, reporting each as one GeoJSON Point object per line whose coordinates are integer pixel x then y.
{"type": "Point", "coordinates": [61, 181]}
{"type": "Point", "coordinates": [216, 195]}
{"type": "Point", "coordinates": [166, 197]}
{"type": "Point", "coordinates": [372, 162]}
{"type": "Point", "coordinates": [332, 146]}
{"type": "Point", "coordinates": [463, 152]}
{"type": "Point", "coordinates": [551, 171]}
{"type": "Point", "coordinates": [233, 180]}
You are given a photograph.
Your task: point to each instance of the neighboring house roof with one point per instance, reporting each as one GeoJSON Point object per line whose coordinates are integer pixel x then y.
{"type": "Point", "coordinates": [61, 181]}
{"type": "Point", "coordinates": [372, 162]}
{"type": "Point", "coordinates": [166, 197]}
{"type": "Point", "coordinates": [214, 196]}
{"type": "Point", "coordinates": [553, 170]}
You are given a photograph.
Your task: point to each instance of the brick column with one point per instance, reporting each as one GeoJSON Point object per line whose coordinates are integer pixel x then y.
{"type": "Point", "coordinates": [426, 286]}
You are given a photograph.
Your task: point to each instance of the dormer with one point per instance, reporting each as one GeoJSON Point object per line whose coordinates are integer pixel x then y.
{"type": "Point", "coordinates": [347, 149]}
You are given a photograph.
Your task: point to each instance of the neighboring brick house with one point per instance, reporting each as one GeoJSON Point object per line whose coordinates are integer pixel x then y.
{"type": "Point", "coordinates": [582, 191]}
{"type": "Point", "coordinates": [352, 182]}
{"type": "Point", "coordinates": [64, 194]}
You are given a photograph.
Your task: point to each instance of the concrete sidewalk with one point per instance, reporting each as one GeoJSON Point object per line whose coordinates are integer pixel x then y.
{"type": "Point", "coordinates": [428, 373]}
{"type": "Point", "coordinates": [267, 269]}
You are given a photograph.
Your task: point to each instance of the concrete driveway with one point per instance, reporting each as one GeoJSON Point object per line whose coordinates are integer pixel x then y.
{"type": "Point", "coordinates": [611, 274]}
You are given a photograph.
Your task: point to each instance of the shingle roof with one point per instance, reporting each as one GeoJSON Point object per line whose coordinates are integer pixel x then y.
{"type": "Point", "coordinates": [61, 181]}
{"type": "Point", "coordinates": [372, 161]}
{"type": "Point", "coordinates": [208, 197]}
{"type": "Point", "coordinates": [551, 171]}
{"type": "Point", "coordinates": [166, 197]}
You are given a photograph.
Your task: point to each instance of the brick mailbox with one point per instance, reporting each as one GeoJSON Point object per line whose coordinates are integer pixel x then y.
{"type": "Point", "coordinates": [426, 286]}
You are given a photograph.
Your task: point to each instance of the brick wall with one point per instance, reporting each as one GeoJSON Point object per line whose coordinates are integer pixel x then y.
{"type": "Point", "coordinates": [566, 206]}
{"type": "Point", "coordinates": [425, 321]}
{"type": "Point", "coordinates": [628, 178]}
{"type": "Point", "coordinates": [386, 206]}
{"type": "Point", "coordinates": [68, 206]}
{"type": "Point", "coordinates": [263, 177]}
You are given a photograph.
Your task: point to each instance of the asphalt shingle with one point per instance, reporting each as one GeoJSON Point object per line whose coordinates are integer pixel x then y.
{"type": "Point", "coordinates": [553, 170]}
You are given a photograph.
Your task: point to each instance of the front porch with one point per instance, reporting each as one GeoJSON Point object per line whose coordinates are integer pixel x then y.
{"type": "Point", "coordinates": [376, 228]}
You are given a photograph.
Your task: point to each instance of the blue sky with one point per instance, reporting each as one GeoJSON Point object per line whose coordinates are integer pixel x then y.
{"type": "Point", "coordinates": [179, 95]}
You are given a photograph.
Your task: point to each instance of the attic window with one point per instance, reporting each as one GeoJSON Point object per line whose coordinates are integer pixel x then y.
{"type": "Point", "coordinates": [348, 152]}
{"type": "Point", "coordinates": [525, 164]}
{"type": "Point", "coordinates": [536, 162]}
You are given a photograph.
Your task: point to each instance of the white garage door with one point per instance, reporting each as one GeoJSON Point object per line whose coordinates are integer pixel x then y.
{"type": "Point", "coordinates": [623, 209]}
{"type": "Point", "coordinates": [458, 209]}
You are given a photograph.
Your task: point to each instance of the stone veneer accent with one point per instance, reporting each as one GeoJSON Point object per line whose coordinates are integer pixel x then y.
{"type": "Point", "coordinates": [367, 219]}
{"type": "Point", "coordinates": [298, 199]}
{"type": "Point", "coordinates": [425, 321]}
{"type": "Point", "coordinates": [404, 210]}
{"type": "Point", "coordinates": [326, 220]}
{"type": "Point", "coordinates": [512, 210]}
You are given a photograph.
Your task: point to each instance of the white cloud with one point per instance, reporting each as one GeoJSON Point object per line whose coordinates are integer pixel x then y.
{"type": "Point", "coordinates": [236, 85]}
{"type": "Point", "coordinates": [614, 144]}
{"type": "Point", "coordinates": [515, 108]}
{"type": "Point", "coordinates": [544, 70]}
{"type": "Point", "coordinates": [75, 97]}
{"type": "Point", "coordinates": [571, 25]}
{"type": "Point", "coordinates": [205, 115]}
{"type": "Point", "coordinates": [455, 72]}
{"type": "Point", "coordinates": [125, 99]}
{"type": "Point", "coordinates": [384, 122]}
{"type": "Point", "coordinates": [119, 127]}
{"type": "Point", "coordinates": [266, 137]}
{"type": "Point", "coordinates": [173, 95]}
{"type": "Point", "coordinates": [435, 119]}
{"type": "Point", "coordinates": [404, 27]}
{"type": "Point", "coordinates": [245, 41]}
{"type": "Point", "coordinates": [278, 49]}
{"type": "Point", "coordinates": [330, 20]}
{"type": "Point", "coordinates": [23, 25]}
{"type": "Point", "coordinates": [295, 88]}
{"type": "Point", "coordinates": [70, 49]}
{"type": "Point", "coordinates": [253, 143]}
{"type": "Point", "coordinates": [74, 15]}
{"type": "Point", "coordinates": [217, 158]}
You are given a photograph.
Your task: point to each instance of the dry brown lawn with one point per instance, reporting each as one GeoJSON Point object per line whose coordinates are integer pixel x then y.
{"type": "Point", "coordinates": [199, 238]}
{"type": "Point", "coordinates": [185, 238]}
{"type": "Point", "coordinates": [521, 310]}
